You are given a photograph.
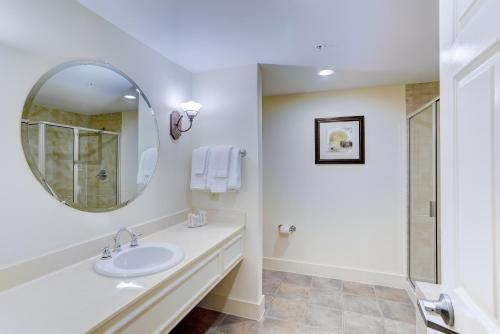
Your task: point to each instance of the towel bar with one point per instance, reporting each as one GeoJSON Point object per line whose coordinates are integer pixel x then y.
{"type": "Point", "coordinates": [243, 153]}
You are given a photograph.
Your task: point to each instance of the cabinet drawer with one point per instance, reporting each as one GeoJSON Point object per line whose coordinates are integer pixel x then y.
{"type": "Point", "coordinates": [231, 253]}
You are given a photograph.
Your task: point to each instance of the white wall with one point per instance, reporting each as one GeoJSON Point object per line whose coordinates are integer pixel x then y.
{"type": "Point", "coordinates": [146, 123]}
{"type": "Point", "coordinates": [350, 219]}
{"type": "Point", "coordinates": [231, 115]}
{"type": "Point", "coordinates": [129, 155]}
{"type": "Point", "coordinates": [35, 36]}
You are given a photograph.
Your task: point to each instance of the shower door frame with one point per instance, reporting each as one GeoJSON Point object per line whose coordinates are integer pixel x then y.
{"type": "Point", "coordinates": [76, 151]}
{"type": "Point", "coordinates": [436, 154]}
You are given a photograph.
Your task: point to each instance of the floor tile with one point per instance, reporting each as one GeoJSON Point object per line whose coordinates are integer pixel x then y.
{"type": "Point", "coordinates": [276, 326]}
{"type": "Point", "coordinates": [315, 330]}
{"type": "Point", "coordinates": [357, 289]}
{"type": "Point", "coordinates": [297, 279]}
{"type": "Point", "coordinates": [191, 328]}
{"type": "Point", "coordinates": [392, 294]}
{"type": "Point", "coordinates": [398, 327]}
{"type": "Point", "coordinates": [326, 283]}
{"type": "Point", "coordinates": [397, 311]}
{"type": "Point", "coordinates": [270, 287]}
{"type": "Point", "coordinates": [300, 304]}
{"type": "Point", "coordinates": [271, 275]}
{"type": "Point", "coordinates": [355, 323]}
{"type": "Point", "coordinates": [326, 298]}
{"type": "Point", "coordinates": [200, 321]}
{"type": "Point", "coordinates": [285, 309]}
{"type": "Point", "coordinates": [323, 317]}
{"type": "Point", "coordinates": [292, 292]}
{"type": "Point", "coordinates": [268, 301]}
{"type": "Point", "coordinates": [236, 325]}
{"type": "Point", "coordinates": [359, 304]}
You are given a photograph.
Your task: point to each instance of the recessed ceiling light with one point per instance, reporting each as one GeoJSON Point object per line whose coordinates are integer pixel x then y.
{"type": "Point", "coordinates": [326, 72]}
{"type": "Point", "coordinates": [129, 97]}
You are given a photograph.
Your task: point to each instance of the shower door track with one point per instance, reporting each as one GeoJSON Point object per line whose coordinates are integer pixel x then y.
{"type": "Point", "coordinates": [26, 121]}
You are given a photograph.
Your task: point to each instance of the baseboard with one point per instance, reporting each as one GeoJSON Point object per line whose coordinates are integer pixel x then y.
{"type": "Point", "coordinates": [234, 306]}
{"type": "Point", "coordinates": [347, 274]}
{"type": "Point", "coordinates": [411, 292]}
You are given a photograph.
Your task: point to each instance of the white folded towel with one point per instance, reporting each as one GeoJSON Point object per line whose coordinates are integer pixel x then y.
{"type": "Point", "coordinates": [218, 169]}
{"type": "Point", "coordinates": [199, 168]}
{"type": "Point", "coordinates": [221, 160]}
{"type": "Point", "coordinates": [147, 164]}
{"type": "Point", "coordinates": [199, 160]}
{"type": "Point", "coordinates": [234, 179]}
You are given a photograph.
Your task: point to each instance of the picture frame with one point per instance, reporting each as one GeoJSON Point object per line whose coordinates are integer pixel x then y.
{"type": "Point", "coordinates": [340, 140]}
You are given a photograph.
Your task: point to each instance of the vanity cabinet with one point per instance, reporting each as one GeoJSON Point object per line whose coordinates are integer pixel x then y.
{"type": "Point", "coordinates": [165, 305]}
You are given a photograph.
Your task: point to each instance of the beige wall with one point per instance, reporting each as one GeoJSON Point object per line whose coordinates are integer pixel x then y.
{"type": "Point", "coordinates": [419, 94]}
{"type": "Point", "coordinates": [37, 35]}
{"type": "Point", "coordinates": [350, 219]}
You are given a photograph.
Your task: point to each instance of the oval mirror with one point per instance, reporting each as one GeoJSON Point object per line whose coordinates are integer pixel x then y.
{"type": "Point", "coordinates": [90, 136]}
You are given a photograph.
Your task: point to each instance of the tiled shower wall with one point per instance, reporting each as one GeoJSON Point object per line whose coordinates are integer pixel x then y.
{"type": "Point", "coordinates": [419, 94]}
{"type": "Point", "coordinates": [108, 122]}
{"type": "Point", "coordinates": [96, 152]}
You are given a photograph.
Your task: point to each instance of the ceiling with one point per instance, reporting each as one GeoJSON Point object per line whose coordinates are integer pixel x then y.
{"type": "Point", "coordinates": [88, 90]}
{"type": "Point", "coordinates": [368, 42]}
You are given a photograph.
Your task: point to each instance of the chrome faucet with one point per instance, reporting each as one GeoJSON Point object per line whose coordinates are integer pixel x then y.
{"type": "Point", "coordinates": [117, 247]}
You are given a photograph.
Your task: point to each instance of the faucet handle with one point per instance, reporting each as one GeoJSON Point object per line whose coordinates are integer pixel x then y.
{"type": "Point", "coordinates": [134, 242]}
{"type": "Point", "coordinates": [106, 253]}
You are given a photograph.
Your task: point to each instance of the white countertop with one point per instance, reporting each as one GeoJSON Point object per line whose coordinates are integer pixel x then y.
{"type": "Point", "coordinates": [75, 299]}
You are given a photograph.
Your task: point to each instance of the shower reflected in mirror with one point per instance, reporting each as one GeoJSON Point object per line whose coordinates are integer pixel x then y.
{"type": "Point", "coordinates": [90, 136]}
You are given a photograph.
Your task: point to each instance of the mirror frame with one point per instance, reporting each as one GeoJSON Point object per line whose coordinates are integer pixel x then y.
{"type": "Point", "coordinates": [27, 104]}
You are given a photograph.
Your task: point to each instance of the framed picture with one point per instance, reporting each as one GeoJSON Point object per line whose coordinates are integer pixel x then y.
{"type": "Point", "coordinates": [340, 140]}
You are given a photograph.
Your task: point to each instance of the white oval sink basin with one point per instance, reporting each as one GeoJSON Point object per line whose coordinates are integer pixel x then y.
{"type": "Point", "coordinates": [145, 259]}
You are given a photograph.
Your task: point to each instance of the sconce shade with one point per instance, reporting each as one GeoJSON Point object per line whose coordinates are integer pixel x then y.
{"type": "Point", "coordinates": [191, 106]}
{"type": "Point", "coordinates": [191, 113]}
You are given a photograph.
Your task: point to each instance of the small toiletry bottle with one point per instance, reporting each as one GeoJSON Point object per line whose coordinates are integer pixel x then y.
{"type": "Point", "coordinates": [191, 220]}
{"type": "Point", "coordinates": [203, 217]}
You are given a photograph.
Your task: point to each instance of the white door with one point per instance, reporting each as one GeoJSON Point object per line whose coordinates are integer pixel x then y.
{"type": "Point", "coordinates": [470, 165]}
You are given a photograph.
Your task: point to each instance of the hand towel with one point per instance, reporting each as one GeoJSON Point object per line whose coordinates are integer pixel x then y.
{"type": "Point", "coordinates": [234, 178]}
{"type": "Point", "coordinates": [199, 160]}
{"type": "Point", "coordinates": [199, 168]}
{"type": "Point", "coordinates": [147, 164]}
{"type": "Point", "coordinates": [221, 160]}
{"type": "Point", "coordinates": [218, 169]}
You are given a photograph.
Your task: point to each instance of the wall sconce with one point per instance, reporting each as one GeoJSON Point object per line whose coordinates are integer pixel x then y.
{"type": "Point", "coordinates": [191, 109]}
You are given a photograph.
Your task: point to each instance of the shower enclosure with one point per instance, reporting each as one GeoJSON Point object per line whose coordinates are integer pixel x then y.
{"type": "Point", "coordinates": [78, 165]}
{"type": "Point", "coordinates": [423, 207]}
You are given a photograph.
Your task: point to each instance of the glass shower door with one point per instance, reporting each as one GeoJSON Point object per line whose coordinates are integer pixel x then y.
{"type": "Point", "coordinates": [58, 156]}
{"type": "Point", "coordinates": [423, 222]}
{"type": "Point", "coordinates": [97, 169]}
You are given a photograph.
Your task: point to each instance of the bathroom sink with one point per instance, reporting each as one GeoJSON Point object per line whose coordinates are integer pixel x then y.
{"type": "Point", "coordinates": [145, 259]}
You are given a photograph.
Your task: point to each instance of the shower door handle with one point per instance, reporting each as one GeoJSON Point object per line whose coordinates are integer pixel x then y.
{"type": "Point", "coordinates": [432, 209]}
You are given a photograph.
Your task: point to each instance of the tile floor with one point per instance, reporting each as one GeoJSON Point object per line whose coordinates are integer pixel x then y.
{"type": "Point", "coordinates": [312, 305]}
